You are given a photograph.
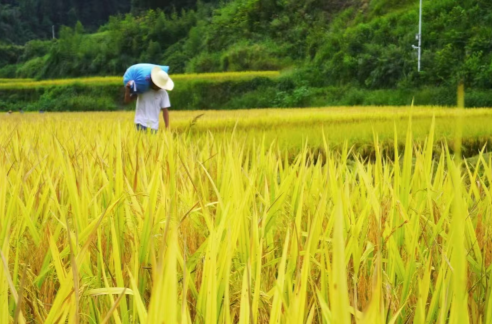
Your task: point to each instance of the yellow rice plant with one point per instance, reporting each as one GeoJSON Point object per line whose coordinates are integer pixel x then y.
{"type": "Point", "coordinates": [113, 80]}
{"type": "Point", "coordinates": [15, 80]}
{"type": "Point", "coordinates": [101, 224]}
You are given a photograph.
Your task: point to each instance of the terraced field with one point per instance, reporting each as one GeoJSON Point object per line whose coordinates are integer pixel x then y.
{"type": "Point", "coordinates": [98, 81]}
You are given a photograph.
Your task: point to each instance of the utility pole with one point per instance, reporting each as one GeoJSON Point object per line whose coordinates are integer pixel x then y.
{"type": "Point", "coordinates": [53, 31]}
{"type": "Point", "coordinates": [419, 38]}
{"type": "Point", "coordinates": [420, 33]}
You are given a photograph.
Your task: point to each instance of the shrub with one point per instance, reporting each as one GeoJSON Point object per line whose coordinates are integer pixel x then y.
{"type": "Point", "coordinates": [32, 68]}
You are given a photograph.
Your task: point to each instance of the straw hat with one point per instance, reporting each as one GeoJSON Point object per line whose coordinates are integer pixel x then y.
{"type": "Point", "coordinates": [162, 79]}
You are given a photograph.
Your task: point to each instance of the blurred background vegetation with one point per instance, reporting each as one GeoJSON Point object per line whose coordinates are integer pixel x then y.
{"type": "Point", "coordinates": [355, 46]}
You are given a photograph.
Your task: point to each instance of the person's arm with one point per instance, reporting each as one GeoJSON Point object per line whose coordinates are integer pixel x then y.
{"type": "Point", "coordinates": [128, 97]}
{"type": "Point", "coordinates": [165, 114]}
{"type": "Point", "coordinates": [165, 104]}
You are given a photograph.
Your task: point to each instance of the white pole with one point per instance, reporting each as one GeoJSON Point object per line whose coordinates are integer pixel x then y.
{"type": "Point", "coordinates": [420, 33]}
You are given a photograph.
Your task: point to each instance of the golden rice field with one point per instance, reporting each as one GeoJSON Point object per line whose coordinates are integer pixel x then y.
{"type": "Point", "coordinates": [99, 81]}
{"type": "Point", "coordinates": [233, 217]}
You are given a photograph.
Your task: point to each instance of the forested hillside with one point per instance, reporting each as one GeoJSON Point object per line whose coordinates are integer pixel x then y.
{"type": "Point", "coordinates": [357, 43]}
{"type": "Point", "coordinates": [24, 20]}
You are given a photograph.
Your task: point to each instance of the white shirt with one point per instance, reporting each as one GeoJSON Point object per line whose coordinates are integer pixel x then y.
{"type": "Point", "coordinates": [149, 106]}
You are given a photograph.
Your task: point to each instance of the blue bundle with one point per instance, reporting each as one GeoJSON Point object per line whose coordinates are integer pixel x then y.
{"type": "Point", "coordinates": [140, 75]}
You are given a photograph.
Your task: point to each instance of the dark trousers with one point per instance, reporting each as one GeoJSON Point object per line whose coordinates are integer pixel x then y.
{"type": "Point", "coordinates": [143, 128]}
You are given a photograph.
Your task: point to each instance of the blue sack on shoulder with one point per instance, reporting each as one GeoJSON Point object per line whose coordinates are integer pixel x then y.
{"type": "Point", "coordinates": [140, 75]}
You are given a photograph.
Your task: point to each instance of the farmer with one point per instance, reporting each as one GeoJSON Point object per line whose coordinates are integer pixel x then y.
{"type": "Point", "coordinates": [148, 84]}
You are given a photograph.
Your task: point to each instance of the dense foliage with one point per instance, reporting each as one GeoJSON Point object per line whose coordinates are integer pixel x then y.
{"type": "Point", "coordinates": [23, 20]}
{"type": "Point", "coordinates": [359, 43]}
{"type": "Point", "coordinates": [227, 94]}
{"type": "Point", "coordinates": [376, 52]}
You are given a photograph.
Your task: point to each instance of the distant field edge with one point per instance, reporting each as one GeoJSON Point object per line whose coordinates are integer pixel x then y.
{"type": "Point", "coordinates": [224, 91]}
{"type": "Point", "coordinates": [117, 80]}
{"type": "Point", "coordinates": [2, 80]}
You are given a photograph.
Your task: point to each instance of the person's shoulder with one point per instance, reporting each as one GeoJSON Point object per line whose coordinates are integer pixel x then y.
{"type": "Point", "coordinates": [163, 93]}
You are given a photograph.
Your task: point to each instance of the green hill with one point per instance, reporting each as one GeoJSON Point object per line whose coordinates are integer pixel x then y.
{"type": "Point", "coordinates": [329, 43]}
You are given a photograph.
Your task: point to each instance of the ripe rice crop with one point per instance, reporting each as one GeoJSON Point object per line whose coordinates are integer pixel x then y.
{"type": "Point", "coordinates": [15, 80]}
{"type": "Point", "coordinates": [118, 80]}
{"type": "Point", "coordinates": [101, 224]}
